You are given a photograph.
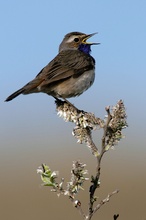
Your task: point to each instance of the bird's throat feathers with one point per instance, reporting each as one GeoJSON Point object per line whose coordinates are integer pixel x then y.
{"type": "Point", "coordinates": [86, 48]}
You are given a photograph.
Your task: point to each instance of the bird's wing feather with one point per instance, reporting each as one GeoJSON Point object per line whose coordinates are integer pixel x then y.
{"type": "Point", "coordinates": [66, 64]}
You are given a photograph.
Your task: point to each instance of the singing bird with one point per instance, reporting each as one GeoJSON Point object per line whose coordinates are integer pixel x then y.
{"type": "Point", "coordinates": [69, 74]}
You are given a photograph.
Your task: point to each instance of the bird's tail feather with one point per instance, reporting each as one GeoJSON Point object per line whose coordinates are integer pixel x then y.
{"type": "Point", "coordinates": [14, 95]}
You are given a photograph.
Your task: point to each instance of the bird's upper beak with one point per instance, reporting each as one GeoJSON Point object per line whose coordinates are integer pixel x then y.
{"type": "Point", "coordinates": [86, 37]}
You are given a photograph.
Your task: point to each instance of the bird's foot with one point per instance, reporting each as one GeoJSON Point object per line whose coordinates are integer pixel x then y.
{"type": "Point", "coordinates": [60, 102]}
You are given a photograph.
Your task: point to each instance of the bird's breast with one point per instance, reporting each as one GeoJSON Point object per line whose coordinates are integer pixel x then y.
{"type": "Point", "coordinates": [75, 86]}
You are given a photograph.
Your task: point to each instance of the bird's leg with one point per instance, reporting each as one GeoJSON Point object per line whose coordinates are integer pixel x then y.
{"type": "Point", "coordinates": [56, 98]}
{"type": "Point", "coordinates": [59, 100]}
{"type": "Point", "coordinates": [68, 102]}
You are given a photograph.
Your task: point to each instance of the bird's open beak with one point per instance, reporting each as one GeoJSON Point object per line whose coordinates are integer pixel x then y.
{"type": "Point", "coordinates": [86, 37]}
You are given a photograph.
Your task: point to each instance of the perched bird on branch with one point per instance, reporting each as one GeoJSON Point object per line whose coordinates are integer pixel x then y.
{"type": "Point", "coordinates": [69, 74]}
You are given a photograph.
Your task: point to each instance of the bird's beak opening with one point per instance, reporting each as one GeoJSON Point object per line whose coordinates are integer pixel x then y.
{"type": "Point", "coordinates": [86, 37]}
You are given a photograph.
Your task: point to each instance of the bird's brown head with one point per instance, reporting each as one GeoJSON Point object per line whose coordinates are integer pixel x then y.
{"type": "Point", "coordinates": [75, 41]}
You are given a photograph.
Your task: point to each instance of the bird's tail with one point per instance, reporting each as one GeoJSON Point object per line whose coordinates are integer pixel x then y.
{"type": "Point", "coordinates": [14, 95]}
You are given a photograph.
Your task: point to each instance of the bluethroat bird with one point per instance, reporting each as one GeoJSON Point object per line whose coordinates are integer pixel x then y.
{"type": "Point", "coordinates": [69, 74]}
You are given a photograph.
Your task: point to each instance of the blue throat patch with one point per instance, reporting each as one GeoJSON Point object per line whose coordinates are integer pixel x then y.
{"type": "Point", "coordinates": [85, 48]}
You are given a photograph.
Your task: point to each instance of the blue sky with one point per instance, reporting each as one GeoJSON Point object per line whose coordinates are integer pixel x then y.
{"type": "Point", "coordinates": [31, 32]}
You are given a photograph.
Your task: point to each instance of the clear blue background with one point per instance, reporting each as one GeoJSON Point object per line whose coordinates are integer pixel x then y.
{"type": "Point", "coordinates": [31, 133]}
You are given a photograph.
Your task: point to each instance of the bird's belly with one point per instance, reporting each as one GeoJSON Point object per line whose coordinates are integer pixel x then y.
{"type": "Point", "coordinates": [75, 86]}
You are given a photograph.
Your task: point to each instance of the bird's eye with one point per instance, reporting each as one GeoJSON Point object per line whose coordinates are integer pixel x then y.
{"type": "Point", "coordinates": [76, 39]}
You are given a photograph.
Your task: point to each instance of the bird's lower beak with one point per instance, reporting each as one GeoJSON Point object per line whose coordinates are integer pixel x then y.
{"type": "Point", "coordinates": [86, 37]}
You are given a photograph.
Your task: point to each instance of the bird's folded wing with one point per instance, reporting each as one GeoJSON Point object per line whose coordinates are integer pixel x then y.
{"type": "Point", "coordinates": [64, 65]}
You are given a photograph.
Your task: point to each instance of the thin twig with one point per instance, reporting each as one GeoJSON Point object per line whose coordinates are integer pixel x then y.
{"type": "Point", "coordinates": [104, 201]}
{"type": "Point", "coordinates": [96, 179]}
{"type": "Point", "coordinates": [116, 216]}
{"type": "Point", "coordinates": [90, 144]}
{"type": "Point", "coordinates": [77, 204]}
